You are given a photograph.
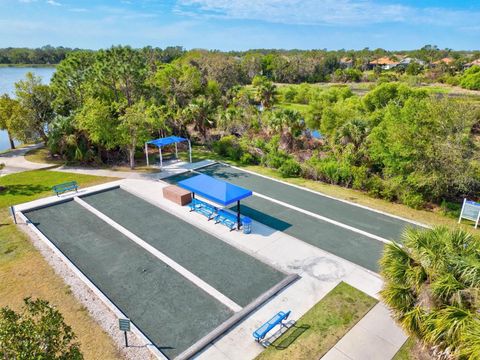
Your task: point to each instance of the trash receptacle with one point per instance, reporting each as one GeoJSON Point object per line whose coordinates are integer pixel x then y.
{"type": "Point", "coordinates": [247, 225]}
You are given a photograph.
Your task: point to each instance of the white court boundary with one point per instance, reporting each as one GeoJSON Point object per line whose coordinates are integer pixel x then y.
{"type": "Point", "coordinates": [323, 218]}
{"type": "Point", "coordinates": [110, 305]}
{"type": "Point", "coordinates": [328, 196]}
{"type": "Point", "coordinates": [164, 258]}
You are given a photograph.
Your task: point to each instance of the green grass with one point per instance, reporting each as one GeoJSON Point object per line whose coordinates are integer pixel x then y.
{"type": "Point", "coordinates": [412, 350]}
{"type": "Point", "coordinates": [322, 326]}
{"type": "Point", "coordinates": [24, 272]}
{"type": "Point", "coordinates": [31, 185]}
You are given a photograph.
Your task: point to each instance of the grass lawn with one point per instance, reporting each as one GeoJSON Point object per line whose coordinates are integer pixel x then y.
{"type": "Point", "coordinates": [322, 326]}
{"type": "Point", "coordinates": [24, 272]}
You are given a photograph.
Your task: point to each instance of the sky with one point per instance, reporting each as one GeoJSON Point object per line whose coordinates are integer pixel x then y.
{"type": "Point", "coordinates": [242, 24]}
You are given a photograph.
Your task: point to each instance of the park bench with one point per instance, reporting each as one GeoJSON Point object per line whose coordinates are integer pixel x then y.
{"type": "Point", "coordinates": [64, 187]}
{"type": "Point", "coordinates": [203, 208]}
{"type": "Point", "coordinates": [263, 330]}
{"type": "Point", "coordinates": [225, 218]}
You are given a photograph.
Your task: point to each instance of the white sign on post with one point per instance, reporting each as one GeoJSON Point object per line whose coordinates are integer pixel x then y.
{"type": "Point", "coordinates": [470, 211]}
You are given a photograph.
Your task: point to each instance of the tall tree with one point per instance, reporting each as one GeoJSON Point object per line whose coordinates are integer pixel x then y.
{"type": "Point", "coordinates": [36, 100]}
{"type": "Point", "coordinates": [9, 110]}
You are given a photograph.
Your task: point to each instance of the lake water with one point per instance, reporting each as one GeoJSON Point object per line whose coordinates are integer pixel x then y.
{"type": "Point", "coordinates": [8, 77]}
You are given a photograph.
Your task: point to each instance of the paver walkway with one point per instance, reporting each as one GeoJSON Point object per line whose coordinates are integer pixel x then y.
{"type": "Point", "coordinates": [375, 337]}
{"type": "Point", "coordinates": [15, 161]}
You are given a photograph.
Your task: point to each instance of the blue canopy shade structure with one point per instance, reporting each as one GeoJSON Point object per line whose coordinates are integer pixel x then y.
{"type": "Point", "coordinates": [218, 191]}
{"type": "Point", "coordinates": [167, 141]}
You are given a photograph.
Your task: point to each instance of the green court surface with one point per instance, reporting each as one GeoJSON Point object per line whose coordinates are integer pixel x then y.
{"type": "Point", "coordinates": [339, 241]}
{"type": "Point", "coordinates": [235, 274]}
{"type": "Point", "coordinates": [173, 312]}
{"type": "Point", "coordinates": [370, 221]}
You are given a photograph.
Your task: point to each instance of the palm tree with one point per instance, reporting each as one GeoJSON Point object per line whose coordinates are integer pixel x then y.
{"type": "Point", "coordinates": [265, 91]}
{"type": "Point", "coordinates": [432, 285]}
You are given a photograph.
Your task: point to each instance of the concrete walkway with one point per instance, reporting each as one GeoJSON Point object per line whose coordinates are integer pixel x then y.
{"type": "Point", "coordinates": [170, 169]}
{"type": "Point", "coordinates": [15, 161]}
{"type": "Point", "coordinates": [375, 337]}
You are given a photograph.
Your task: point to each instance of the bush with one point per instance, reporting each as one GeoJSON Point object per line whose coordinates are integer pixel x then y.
{"type": "Point", "coordinates": [290, 168]}
{"type": "Point", "coordinates": [412, 199]}
{"type": "Point", "coordinates": [471, 78]}
{"type": "Point", "coordinates": [289, 94]}
{"type": "Point", "coordinates": [248, 159]}
{"type": "Point", "coordinates": [37, 332]}
{"type": "Point", "coordinates": [360, 177]}
{"type": "Point", "coordinates": [274, 160]}
{"type": "Point", "coordinates": [228, 146]}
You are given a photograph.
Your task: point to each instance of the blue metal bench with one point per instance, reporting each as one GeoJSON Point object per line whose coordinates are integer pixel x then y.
{"type": "Point", "coordinates": [203, 208]}
{"type": "Point", "coordinates": [64, 187]}
{"type": "Point", "coordinates": [263, 330]}
{"type": "Point", "coordinates": [225, 218]}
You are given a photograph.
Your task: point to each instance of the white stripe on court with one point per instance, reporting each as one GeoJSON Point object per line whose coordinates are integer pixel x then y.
{"type": "Point", "coordinates": [164, 258]}
{"type": "Point", "coordinates": [328, 196]}
{"type": "Point", "coordinates": [323, 218]}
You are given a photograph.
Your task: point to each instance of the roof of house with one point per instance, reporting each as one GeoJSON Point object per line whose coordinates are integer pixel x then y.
{"type": "Point", "coordinates": [445, 60]}
{"type": "Point", "coordinates": [383, 61]}
{"type": "Point", "coordinates": [474, 62]}
{"type": "Point", "coordinates": [346, 60]}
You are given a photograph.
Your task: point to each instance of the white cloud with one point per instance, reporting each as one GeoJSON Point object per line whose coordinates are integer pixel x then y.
{"type": "Point", "coordinates": [53, 2]}
{"type": "Point", "coordinates": [323, 12]}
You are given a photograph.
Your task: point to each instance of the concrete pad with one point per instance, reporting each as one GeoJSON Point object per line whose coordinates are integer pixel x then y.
{"type": "Point", "coordinates": [378, 321]}
{"type": "Point", "coordinates": [360, 344]}
{"type": "Point", "coordinates": [335, 354]}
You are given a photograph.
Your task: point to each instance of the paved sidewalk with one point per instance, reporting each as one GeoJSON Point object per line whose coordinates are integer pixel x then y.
{"type": "Point", "coordinates": [15, 161]}
{"type": "Point", "coordinates": [375, 337]}
{"type": "Point", "coordinates": [175, 168]}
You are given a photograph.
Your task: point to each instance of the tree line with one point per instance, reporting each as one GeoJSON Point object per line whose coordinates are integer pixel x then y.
{"type": "Point", "coordinates": [396, 142]}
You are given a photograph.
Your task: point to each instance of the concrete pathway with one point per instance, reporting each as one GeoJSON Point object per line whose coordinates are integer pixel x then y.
{"type": "Point", "coordinates": [15, 161]}
{"type": "Point", "coordinates": [375, 337]}
{"type": "Point", "coordinates": [170, 169]}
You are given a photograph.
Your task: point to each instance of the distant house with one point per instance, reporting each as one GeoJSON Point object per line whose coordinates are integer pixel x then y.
{"type": "Point", "coordinates": [445, 60]}
{"type": "Point", "coordinates": [384, 62]}
{"type": "Point", "coordinates": [408, 60]}
{"type": "Point", "coordinates": [472, 63]}
{"type": "Point", "coordinates": [346, 63]}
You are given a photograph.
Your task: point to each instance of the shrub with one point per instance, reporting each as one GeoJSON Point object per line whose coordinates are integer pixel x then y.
{"type": "Point", "coordinates": [360, 177]}
{"type": "Point", "coordinates": [274, 160]}
{"type": "Point", "coordinates": [412, 199]}
{"type": "Point", "coordinates": [248, 159]}
{"type": "Point", "coordinates": [289, 94]}
{"type": "Point", "coordinates": [471, 78]}
{"type": "Point", "coordinates": [37, 332]}
{"type": "Point", "coordinates": [228, 146]}
{"type": "Point", "coordinates": [290, 168]}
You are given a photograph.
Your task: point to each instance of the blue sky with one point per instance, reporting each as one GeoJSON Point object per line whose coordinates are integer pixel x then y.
{"type": "Point", "coordinates": [242, 24]}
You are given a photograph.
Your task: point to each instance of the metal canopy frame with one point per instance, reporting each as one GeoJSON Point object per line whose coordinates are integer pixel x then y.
{"type": "Point", "coordinates": [167, 141]}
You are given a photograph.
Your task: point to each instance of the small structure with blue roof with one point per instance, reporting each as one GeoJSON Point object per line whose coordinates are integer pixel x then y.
{"type": "Point", "coordinates": [219, 192]}
{"type": "Point", "coordinates": [167, 141]}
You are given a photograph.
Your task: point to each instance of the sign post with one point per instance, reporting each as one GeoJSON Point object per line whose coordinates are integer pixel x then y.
{"type": "Point", "coordinates": [470, 211]}
{"type": "Point", "coordinates": [124, 325]}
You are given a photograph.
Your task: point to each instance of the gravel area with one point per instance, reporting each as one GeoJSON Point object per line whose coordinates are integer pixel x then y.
{"type": "Point", "coordinates": [137, 349]}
